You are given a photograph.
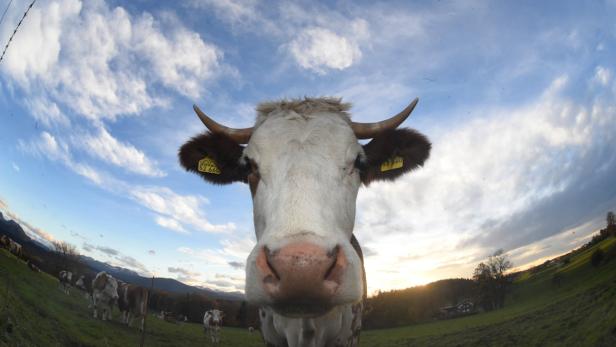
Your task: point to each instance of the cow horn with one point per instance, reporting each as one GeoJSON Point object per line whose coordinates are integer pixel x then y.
{"type": "Point", "coordinates": [238, 135]}
{"type": "Point", "coordinates": [370, 130]}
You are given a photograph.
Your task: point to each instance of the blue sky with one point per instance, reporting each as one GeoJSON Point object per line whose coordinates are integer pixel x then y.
{"type": "Point", "coordinates": [518, 98]}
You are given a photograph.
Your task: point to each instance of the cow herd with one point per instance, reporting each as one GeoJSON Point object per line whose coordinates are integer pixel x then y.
{"type": "Point", "coordinates": [103, 292]}
{"type": "Point", "coordinates": [12, 246]}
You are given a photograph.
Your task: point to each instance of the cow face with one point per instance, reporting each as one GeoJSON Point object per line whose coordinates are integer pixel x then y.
{"type": "Point", "coordinates": [304, 166]}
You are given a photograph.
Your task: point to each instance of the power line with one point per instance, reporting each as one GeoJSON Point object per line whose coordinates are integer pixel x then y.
{"type": "Point", "coordinates": [6, 9]}
{"type": "Point", "coordinates": [17, 27]}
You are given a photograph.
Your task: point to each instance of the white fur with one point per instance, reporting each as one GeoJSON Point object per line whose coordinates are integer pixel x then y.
{"type": "Point", "coordinates": [65, 281]}
{"type": "Point", "coordinates": [307, 192]}
{"type": "Point", "coordinates": [212, 321]}
{"type": "Point", "coordinates": [104, 298]}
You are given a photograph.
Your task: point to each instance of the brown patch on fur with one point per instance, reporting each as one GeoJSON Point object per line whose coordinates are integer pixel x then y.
{"type": "Point", "coordinates": [100, 281]}
{"type": "Point", "coordinates": [224, 151]}
{"type": "Point", "coordinates": [409, 144]}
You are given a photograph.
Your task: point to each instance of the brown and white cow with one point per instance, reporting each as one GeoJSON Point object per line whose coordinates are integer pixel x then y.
{"type": "Point", "coordinates": [104, 294]}
{"type": "Point", "coordinates": [15, 248]}
{"type": "Point", "coordinates": [84, 283]}
{"type": "Point", "coordinates": [4, 241]}
{"type": "Point", "coordinates": [133, 303]}
{"type": "Point", "coordinates": [304, 165]}
{"type": "Point", "coordinates": [66, 278]}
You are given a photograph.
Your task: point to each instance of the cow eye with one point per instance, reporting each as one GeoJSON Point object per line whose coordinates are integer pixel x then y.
{"type": "Point", "coordinates": [251, 165]}
{"type": "Point", "coordinates": [360, 163]}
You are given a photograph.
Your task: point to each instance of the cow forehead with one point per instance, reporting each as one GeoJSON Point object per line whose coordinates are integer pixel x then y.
{"type": "Point", "coordinates": [323, 134]}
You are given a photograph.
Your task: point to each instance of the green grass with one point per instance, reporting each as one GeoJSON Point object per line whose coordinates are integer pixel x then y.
{"type": "Point", "coordinates": [579, 312]}
{"type": "Point", "coordinates": [44, 316]}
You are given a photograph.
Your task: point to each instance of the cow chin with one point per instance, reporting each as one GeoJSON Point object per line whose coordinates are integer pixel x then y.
{"type": "Point", "coordinates": [300, 280]}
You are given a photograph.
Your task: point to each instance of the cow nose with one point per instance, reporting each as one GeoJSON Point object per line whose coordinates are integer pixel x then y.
{"type": "Point", "coordinates": [301, 273]}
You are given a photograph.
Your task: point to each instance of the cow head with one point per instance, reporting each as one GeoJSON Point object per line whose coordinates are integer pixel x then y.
{"type": "Point", "coordinates": [304, 165]}
{"type": "Point", "coordinates": [106, 285]}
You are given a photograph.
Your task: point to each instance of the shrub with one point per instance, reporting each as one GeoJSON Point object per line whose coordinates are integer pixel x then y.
{"type": "Point", "coordinates": [597, 257]}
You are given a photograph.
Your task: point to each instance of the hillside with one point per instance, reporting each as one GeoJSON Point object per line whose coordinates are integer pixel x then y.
{"type": "Point", "coordinates": [41, 315]}
{"type": "Point", "coordinates": [578, 310]}
{"type": "Point", "coordinates": [15, 231]}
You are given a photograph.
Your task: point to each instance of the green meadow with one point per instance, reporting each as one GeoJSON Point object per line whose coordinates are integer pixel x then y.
{"type": "Point", "coordinates": [580, 310]}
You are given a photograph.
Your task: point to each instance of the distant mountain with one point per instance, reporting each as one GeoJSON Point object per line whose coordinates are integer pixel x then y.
{"type": "Point", "coordinates": [13, 230]}
{"type": "Point", "coordinates": [166, 284]}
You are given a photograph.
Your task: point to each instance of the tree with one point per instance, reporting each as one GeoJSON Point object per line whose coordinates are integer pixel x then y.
{"type": "Point", "coordinates": [611, 222]}
{"type": "Point", "coordinates": [242, 314]}
{"type": "Point", "coordinates": [492, 281]}
{"type": "Point", "coordinates": [65, 249]}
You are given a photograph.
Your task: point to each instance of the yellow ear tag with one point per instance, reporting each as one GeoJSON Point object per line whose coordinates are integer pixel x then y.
{"type": "Point", "coordinates": [208, 165]}
{"type": "Point", "coordinates": [392, 164]}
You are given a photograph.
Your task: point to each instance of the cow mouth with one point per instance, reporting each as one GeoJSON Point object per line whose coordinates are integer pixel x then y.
{"type": "Point", "coordinates": [301, 309]}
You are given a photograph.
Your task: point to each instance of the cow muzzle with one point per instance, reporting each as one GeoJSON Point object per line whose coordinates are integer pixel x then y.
{"type": "Point", "coordinates": [301, 279]}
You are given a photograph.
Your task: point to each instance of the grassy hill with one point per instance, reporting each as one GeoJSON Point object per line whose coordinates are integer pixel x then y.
{"type": "Point", "coordinates": [578, 311]}
{"type": "Point", "coordinates": [581, 311]}
{"type": "Point", "coordinates": [44, 316]}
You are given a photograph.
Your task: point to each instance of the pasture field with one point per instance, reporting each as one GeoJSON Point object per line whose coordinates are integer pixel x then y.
{"type": "Point", "coordinates": [581, 311]}
{"type": "Point", "coordinates": [538, 312]}
{"type": "Point", "coordinates": [44, 316]}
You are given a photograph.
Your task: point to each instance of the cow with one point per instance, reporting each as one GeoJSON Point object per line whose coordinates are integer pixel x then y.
{"type": "Point", "coordinates": [65, 277]}
{"type": "Point", "coordinates": [104, 294]}
{"type": "Point", "coordinates": [251, 330]}
{"type": "Point", "coordinates": [84, 283]}
{"type": "Point", "coordinates": [15, 248]}
{"type": "Point", "coordinates": [133, 303]}
{"type": "Point", "coordinates": [5, 241]}
{"type": "Point", "coordinates": [212, 322]}
{"type": "Point", "coordinates": [304, 165]}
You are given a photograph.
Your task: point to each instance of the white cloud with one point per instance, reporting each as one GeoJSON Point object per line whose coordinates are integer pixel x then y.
{"type": "Point", "coordinates": [47, 112]}
{"type": "Point", "coordinates": [318, 49]}
{"type": "Point", "coordinates": [49, 147]}
{"type": "Point", "coordinates": [603, 75]}
{"type": "Point", "coordinates": [15, 167]}
{"type": "Point", "coordinates": [184, 208]}
{"type": "Point", "coordinates": [107, 148]}
{"type": "Point", "coordinates": [102, 62]}
{"type": "Point", "coordinates": [171, 224]}
{"type": "Point", "coordinates": [490, 170]}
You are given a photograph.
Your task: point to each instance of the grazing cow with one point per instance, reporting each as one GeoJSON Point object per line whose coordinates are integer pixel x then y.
{"type": "Point", "coordinates": [133, 303]}
{"type": "Point", "coordinates": [104, 294]}
{"type": "Point", "coordinates": [85, 284]}
{"type": "Point", "coordinates": [65, 277]}
{"type": "Point", "coordinates": [212, 321]}
{"type": "Point", "coordinates": [304, 166]}
{"type": "Point", "coordinates": [5, 241]}
{"type": "Point", "coordinates": [15, 248]}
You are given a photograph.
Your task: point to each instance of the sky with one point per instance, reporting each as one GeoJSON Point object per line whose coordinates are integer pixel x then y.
{"type": "Point", "coordinates": [517, 98]}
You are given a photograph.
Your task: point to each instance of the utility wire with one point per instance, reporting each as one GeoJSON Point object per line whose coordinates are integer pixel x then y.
{"type": "Point", "coordinates": [6, 9]}
{"type": "Point", "coordinates": [17, 27]}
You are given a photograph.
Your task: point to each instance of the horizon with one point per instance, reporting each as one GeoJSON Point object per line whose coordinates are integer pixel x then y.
{"type": "Point", "coordinates": [97, 99]}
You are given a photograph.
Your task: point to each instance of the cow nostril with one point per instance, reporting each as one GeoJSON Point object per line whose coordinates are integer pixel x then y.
{"type": "Point", "coordinates": [332, 254]}
{"type": "Point", "coordinates": [268, 257]}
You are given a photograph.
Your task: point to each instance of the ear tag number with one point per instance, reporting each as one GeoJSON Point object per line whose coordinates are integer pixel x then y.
{"type": "Point", "coordinates": [392, 164]}
{"type": "Point", "coordinates": [208, 165]}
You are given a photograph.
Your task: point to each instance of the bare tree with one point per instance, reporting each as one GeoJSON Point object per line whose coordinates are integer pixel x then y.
{"type": "Point", "coordinates": [492, 281]}
{"type": "Point", "coordinates": [65, 249]}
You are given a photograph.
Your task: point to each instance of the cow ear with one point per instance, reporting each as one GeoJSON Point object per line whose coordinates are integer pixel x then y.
{"type": "Point", "coordinates": [393, 153]}
{"type": "Point", "coordinates": [214, 157]}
